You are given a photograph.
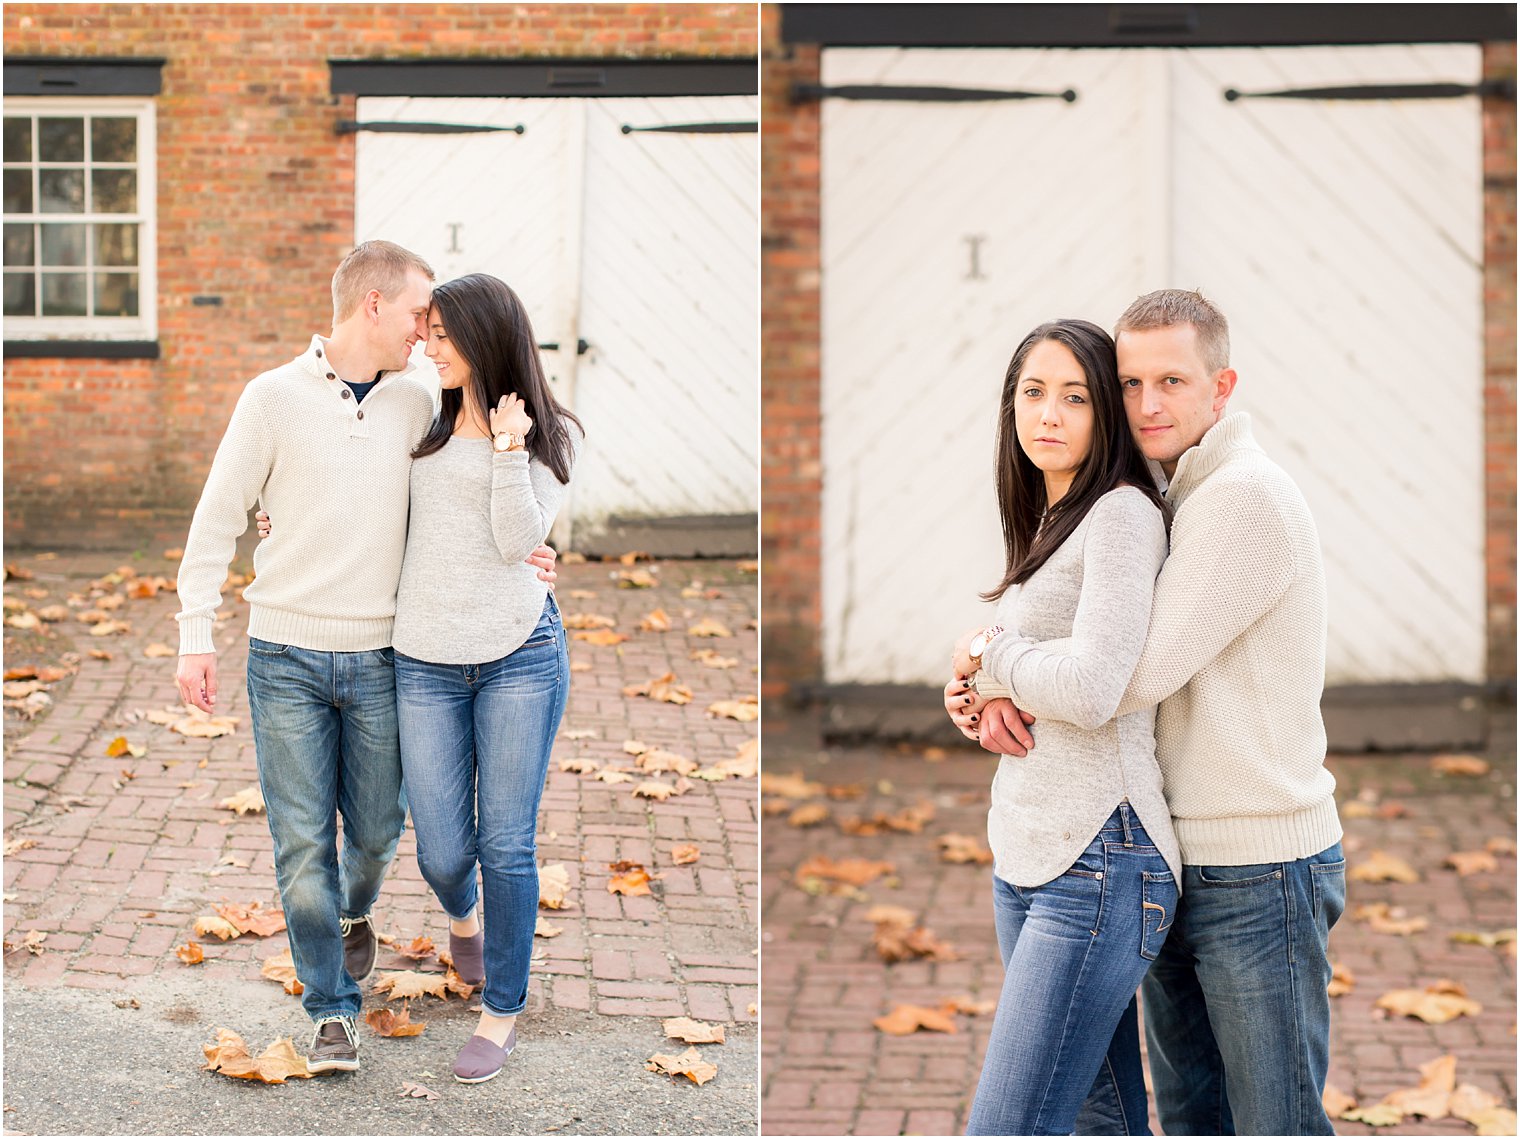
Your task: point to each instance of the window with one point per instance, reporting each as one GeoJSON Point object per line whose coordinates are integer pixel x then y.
{"type": "Point", "coordinates": [79, 219]}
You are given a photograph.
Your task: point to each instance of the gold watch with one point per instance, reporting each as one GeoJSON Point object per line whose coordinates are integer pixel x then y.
{"type": "Point", "coordinates": [514, 441]}
{"type": "Point", "coordinates": [979, 645]}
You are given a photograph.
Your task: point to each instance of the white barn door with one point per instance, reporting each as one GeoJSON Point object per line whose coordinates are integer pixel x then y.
{"type": "Point", "coordinates": [1343, 239]}
{"type": "Point", "coordinates": [634, 253]}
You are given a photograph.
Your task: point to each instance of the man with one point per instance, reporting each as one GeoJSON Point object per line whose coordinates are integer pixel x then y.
{"type": "Point", "coordinates": [324, 443]}
{"type": "Point", "coordinates": [1236, 1010]}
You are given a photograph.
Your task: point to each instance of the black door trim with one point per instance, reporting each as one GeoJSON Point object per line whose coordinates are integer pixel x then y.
{"type": "Point", "coordinates": [539, 78]}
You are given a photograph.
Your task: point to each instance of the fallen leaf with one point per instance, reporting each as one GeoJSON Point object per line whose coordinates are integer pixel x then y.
{"type": "Point", "coordinates": [542, 927]}
{"type": "Point", "coordinates": [1382, 867]}
{"type": "Point", "coordinates": [685, 854]}
{"type": "Point", "coordinates": [454, 983]}
{"type": "Point", "coordinates": [174, 555]}
{"type": "Point", "coordinates": [662, 688]}
{"type": "Point", "coordinates": [962, 848]}
{"type": "Point", "coordinates": [655, 760]}
{"type": "Point", "coordinates": [1469, 765]}
{"type": "Point", "coordinates": [583, 734]}
{"type": "Point", "coordinates": [690, 1031]}
{"type": "Point", "coordinates": [158, 650]}
{"type": "Point", "coordinates": [964, 1004]}
{"type": "Point", "coordinates": [898, 939]}
{"type": "Point", "coordinates": [689, 1064]}
{"type": "Point", "coordinates": [853, 871]}
{"type": "Point", "coordinates": [1383, 918]}
{"type": "Point", "coordinates": [1438, 1079]}
{"type": "Point", "coordinates": [904, 1020]}
{"type": "Point", "coordinates": [1504, 847]}
{"type": "Point", "coordinates": [579, 765]}
{"type": "Point", "coordinates": [276, 1064]}
{"type": "Point", "coordinates": [248, 800]}
{"type": "Point", "coordinates": [198, 725]}
{"type": "Point", "coordinates": [191, 953]}
{"type": "Point", "coordinates": [410, 1090]}
{"type": "Point", "coordinates": [656, 621]}
{"type": "Point", "coordinates": [553, 882]}
{"type": "Point", "coordinates": [282, 968]}
{"type": "Point", "coordinates": [587, 621]}
{"type": "Point", "coordinates": [19, 844]}
{"type": "Point", "coordinates": [1487, 940]}
{"type": "Point", "coordinates": [18, 689]}
{"type": "Point", "coordinates": [101, 654]}
{"type": "Point", "coordinates": [1378, 1115]}
{"type": "Point", "coordinates": [110, 629]}
{"type": "Point", "coordinates": [405, 985]}
{"type": "Point", "coordinates": [582, 594]}
{"type": "Point", "coordinates": [632, 556]}
{"type": "Point", "coordinates": [1336, 1101]}
{"type": "Point", "coordinates": [14, 572]}
{"type": "Point", "coordinates": [711, 658]}
{"type": "Point", "coordinates": [614, 775]}
{"type": "Point", "coordinates": [1434, 1004]}
{"type": "Point", "coordinates": [389, 1022]}
{"type": "Point", "coordinates": [751, 1009]}
{"type": "Point", "coordinates": [1466, 862]}
{"type": "Point", "coordinates": [633, 880]}
{"type": "Point", "coordinates": [215, 927]}
{"type": "Point", "coordinates": [130, 1002]}
{"type": "Point", "coordinates": [744, 710]}
{"type": "Point", "coordinates": [1469, 1102]}
{"type": "Point", "coordinates": [654, 789]}
{"type": "Point", "coordinates": [32, 942]}
{"type": "Point", "coordinates": [1392, 810]}
{"type": "Point", "coordinates": [636, 579]}
{"type": "Point", "coordinates": [420, 948]}
{"type": "Point", "coordinates": [120, 747]}
{"type": "Point", "coordinates": [23, 621]}
{"type": "Point", "coordinates": [808, 815]}
{"type": "Point", "coordinates": [602, 637]}
{"type": "Point", "coordinates": [21, 672]}
{"type": "Point", "coordinates": [708, 627]}
{"type": "Point", "coordinates": [1342, 980]}
{"type": "Point", "coordinates": [1495, 1121]}
{"type": "Point", "coordinates": [252, 918]}
{"type": "Point", "coordinates": [790, 786]}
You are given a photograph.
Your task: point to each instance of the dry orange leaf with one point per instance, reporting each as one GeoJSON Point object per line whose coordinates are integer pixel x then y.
{"type": "Point", "coordinates": [633, 880]}
{"type": "Point", "coordinates": [1336, 1101]}
{"type": "Point", "coordinates": [655, 760]}
{"type": "Point", "coordinates": [1469, 765]}
{"type": "Point", "coordinates": [1466, 862]}
{"type": "Point", "coordinates": [248, 800]}
{"type": "Point", "coordinates": [963, 848]}
{"type": "Point", "coordinates": [602, 637]}
{"type": "Point", "coordinates": [898, 939]}
{"type": "Point", "coordinates": [159, 650]}
{"type": "Point", "coordinates": [279, 1062]}
{"type": "Point", "coordinates": [790, 786]}
{"type": "Point", "coordinates": [215, 927]}
{"type": "Point", "coordinates": [708, 627]}
{"type": "Point", "coordinates": [587, 621]}
{"type": "Point", "coordinates": [685, 854]}
{"type": "Point", "coordinates": [553, 883]}
{"type": "Point", "coordinates": [712, 658]}
{"type": "Point", "coordinates": [1382, 867]}
{"type": "Point", "coordinates": [690, 1031]}
{"type": "Point", "coordinates": [196, 724]}
{"type": "Point", "coordinates": [965, 1004]}
{"type": "Point", "coordinates": [542, 927]}
{"type": "Point", "coordinates": [1487, 940]}
{"type": "Point", "coordinates": [419, 948]}
{"type": "Point", "coordinates": [120, 747]}
{"type": "Point", "coordinates": [689, 1064]}
{"type": "Point", "coordinates": [614, 775]}
{"type": "Point", "coordinates": [852, 871]}
{"type": "Point", "coordinates": [252, 918]}
{"type": "Point", "coordinates": [190, 953]}
{"type": "Point", "coordinates": [1434, 1004]}
{"type": "Point", "coordinates": [904, 1020]}
{"type": "Point", "coordinates": [1504, 847]}
{"type": "Point", "coordinates": [410, 1090]}
{"type": "Point", "coordinates": [654, 789]}
{"type": "Point", "coordinates": [662, 688]}
{"type": "Point", "coordinates": [1383, 918]}
{"type": "Point", "coordinates": [1377, 1115]}
{"type": "Point", "coordinates": [282, 968]}
{"type": "Point", "coordinates": [1342, 980]}
{"type": "Point", "coordinates": [580, 765]}
{"type": "Point", "coordinates": [1469, 1102]}
{"type": "Point", "coordinates": [405, 985]}
{"type": "Point", "coordinates": [1431, 1099]}
{"type": "Point", "coordinates": [636, 579]}
{"type": "Point", "coordinates": [744, 710]}
{"type": "Point", "coordinates": [389, 1022]}
{"type": "Point", "coordinates": [808, 815]}
{"type": "Point", "coordinates": [656, 621]}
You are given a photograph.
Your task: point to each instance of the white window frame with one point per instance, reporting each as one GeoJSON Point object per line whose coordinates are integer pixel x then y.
{"type": "Point", "coordinates": [143, 326]}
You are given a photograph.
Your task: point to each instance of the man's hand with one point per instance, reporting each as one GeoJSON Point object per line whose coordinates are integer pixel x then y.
{"type": "Point", "coordinates": [1003, 728]}
{"type": "Point", "coordinates": [543, 558]}
{"type": "Point", "coordinates": [964, 705]}
{"type": "Point", "coordinates": [196, 677]}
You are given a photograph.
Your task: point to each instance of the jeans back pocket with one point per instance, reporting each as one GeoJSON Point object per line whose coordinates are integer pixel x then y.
{"type": "Point", "coordinates": [1158, 908]}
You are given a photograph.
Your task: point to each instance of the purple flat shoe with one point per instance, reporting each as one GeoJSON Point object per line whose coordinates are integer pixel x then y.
{"type": "Point", "coordinates": [480, 1059]}
{"type": "Point", "coordinates": [469, 954]}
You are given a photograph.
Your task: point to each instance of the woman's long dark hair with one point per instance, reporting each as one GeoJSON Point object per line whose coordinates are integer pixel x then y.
{"type": "Point", "coordinates": [489, 327]}
{"type": "Point", "coordinates": [1112, 458]}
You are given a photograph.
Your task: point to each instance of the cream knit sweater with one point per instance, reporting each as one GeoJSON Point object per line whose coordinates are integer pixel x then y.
{"type": "Point", "coordinates": [335, 474]}
{"type": "Point", "coordinates": [1235, 656]}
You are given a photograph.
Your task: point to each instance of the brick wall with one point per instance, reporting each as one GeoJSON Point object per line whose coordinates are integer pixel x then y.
{"type": "Point", "coordinates": [1499, 360]}
{"type": "Point", "coordinates": [790, 532]}
{"type": "Point", "coordinates": [791, 468]}
{"type": "Point", "coordinates": [255, 204]}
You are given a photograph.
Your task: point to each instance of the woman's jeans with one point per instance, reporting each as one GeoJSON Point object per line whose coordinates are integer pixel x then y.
{"type": "Point", "coordinates": [475, 743]}
{"type": "Point", "coordinates": [1064, 1054]}
{"type": "Point", "coordinates": [324, 733]}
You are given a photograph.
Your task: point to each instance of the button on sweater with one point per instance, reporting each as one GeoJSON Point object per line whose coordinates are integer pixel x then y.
{"type": "Point", "coordinates": [334, 478]}
{"type": "Point", "coordinates": [1092, 598]}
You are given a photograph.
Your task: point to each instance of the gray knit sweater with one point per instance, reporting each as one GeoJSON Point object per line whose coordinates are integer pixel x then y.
{"type": "Point", "coordinates": [466, 595]}
{"type": "Point", "coordinates": [1094, 594]}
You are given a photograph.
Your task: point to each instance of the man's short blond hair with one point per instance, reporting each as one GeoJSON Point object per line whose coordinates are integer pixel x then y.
{"type": "Point", "coordinates": [1167, 308]}
{"type": "Point", "coordinates": [381, 265]}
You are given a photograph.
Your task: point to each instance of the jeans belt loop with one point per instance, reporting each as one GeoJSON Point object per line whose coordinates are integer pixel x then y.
{"type": "Point", "coordinates": [1126, 818]}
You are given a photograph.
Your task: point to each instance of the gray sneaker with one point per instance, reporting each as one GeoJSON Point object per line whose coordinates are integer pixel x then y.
{"type": "Point", "coordinates": [360, 947]}
{"type": "Point", "coordinates": [334, 1046]}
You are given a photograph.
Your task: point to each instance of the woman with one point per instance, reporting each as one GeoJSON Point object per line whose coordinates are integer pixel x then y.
{"type": "Point", "coordinates": [1086, 865]}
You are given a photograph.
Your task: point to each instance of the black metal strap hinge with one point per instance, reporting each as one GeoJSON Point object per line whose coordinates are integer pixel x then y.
{"type": "Point", "coordinates": [348, 126]}
{"type": "Point", "coordinates": [1504, 88]}
{"type": "Point", "coordinates": [811, 92]}
{"type": "Point", "coordinates": [696, 128]}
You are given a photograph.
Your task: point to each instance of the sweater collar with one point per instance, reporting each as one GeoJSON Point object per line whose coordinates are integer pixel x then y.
{"type": "Point", "coordinates": [315, 361]}
{"type": "Point", "coordinates": [1227, 437]}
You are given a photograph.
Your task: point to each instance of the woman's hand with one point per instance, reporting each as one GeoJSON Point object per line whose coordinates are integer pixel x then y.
{"type": "Point", "coordinates": [960, 660]}
{"type": "Point", "coordinates": [542, 559]}
{"type": "Point", "coordinates": [965, 707]}
{"type": "Point", "coordinates": [262, 517]}
{"type": "Point", "coordinates": [511, 414]}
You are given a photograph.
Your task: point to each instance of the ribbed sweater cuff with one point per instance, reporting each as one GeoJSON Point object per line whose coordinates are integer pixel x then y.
{"type": "Point", "coordinates": [195, 636]}
{"type": "Point", "coordinates": [1244, 840]}
{"type": "Point", "coordinates": [325, 634]}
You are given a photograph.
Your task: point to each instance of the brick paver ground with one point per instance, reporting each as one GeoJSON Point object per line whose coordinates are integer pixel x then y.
{"type": "Point", "coordinates": [113, 859]}
{"type": "Point", "coordinates": [826, 1070]}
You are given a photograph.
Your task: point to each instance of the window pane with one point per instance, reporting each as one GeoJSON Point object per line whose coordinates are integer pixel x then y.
{"type": "Point", "coordinates": [115, 294]}
{"type": "Point", "coordinates": [62, 191]}
{"type": "Point", "coordinates": [18, 191]}
{"type": "Point", "coordinates": [60, 140]}
{"type": "Point", "coordinates": [18, 141]}
{"type": "Point", "coordinates": [63, 294]}
{"type": "Point", "coordinates": [113, 140]}
{"type": "Point", "coordinates": [63, 244]}
{"type": "Point", "coordinates": [20, 247]}
{"type": "Point", "coordinates": [116, 244]}
{"type": "Point", "coordinates": [115, 191]}
{"type": "Point", "coordinates": [20, 295]}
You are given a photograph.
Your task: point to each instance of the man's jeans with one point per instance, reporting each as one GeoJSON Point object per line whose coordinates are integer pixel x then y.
{"type": "Point", "coordinates": [475, 743]}
{"type": "Point", "coordinates": [324, 731]}
{"type": "Point", "coordinates": [1066, 1040]}
{"type": "Point", "coordinates": [1237, 1016]}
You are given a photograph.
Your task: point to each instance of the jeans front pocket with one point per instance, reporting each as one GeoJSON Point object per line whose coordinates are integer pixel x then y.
{"type": "Point", "coordinates": [1158, 907]}
{"type": "Point", "coordinates": [267, 648]}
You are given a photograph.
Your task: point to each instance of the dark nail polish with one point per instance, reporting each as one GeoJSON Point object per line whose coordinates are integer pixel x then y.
{"type": "Point", "coordinates": [973, 718]}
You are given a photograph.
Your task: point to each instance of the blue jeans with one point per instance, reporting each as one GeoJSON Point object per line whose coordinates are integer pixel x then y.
{"type": "Point", "coordinates": [324, 732]}
{"type": "Point", "coordinates": [475, 743]}
{"type": "Point", "coordinates": [1066, 1040]}
{"type": "Point", "coordinates": [1237, 1018]}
